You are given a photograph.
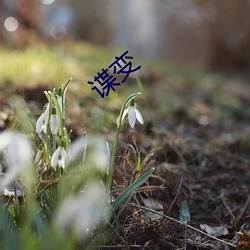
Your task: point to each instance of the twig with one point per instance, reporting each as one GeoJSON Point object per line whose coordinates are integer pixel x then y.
{"type": "Point", "coordinates": [175, 198]}
{"type": "Point", "coordinates": [185, 242]}
{"type": "Point", "coordinates": [184, 224]}
{"type": "Point", "coordinates": [227, 207]}
{"type": "Point", "coordinates": [239, 217]}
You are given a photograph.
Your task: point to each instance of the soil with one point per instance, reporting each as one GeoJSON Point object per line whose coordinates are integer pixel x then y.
{"type": "Point", "coordinates": [202, 174]}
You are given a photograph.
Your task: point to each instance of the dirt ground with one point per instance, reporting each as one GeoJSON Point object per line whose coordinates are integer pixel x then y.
{"type": "Point", "coordinates": [199, 133]}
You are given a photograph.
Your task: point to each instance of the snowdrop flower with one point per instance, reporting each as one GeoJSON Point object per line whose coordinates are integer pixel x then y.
{"type": "Point", "coordinates": [42, 122]}
{"type": "Point", "coordinates": [59, 96]}
{"type": "Point", "coordinates": [79, 214]}
{"type": "Point", "coordinates": [39, 154]}
{"type": "Point", "coordinates": [54, 121]}
{"type": "Point", "coordinates": [59, 99]}
{"type": "Point", "coordinates": [59, 157]}
{"type": "Point", "coordinates": [133, 114]}
{"type": "Point", "coordinates": [17, 152]}
{"type": "Point", "coordinates": [98, 152]}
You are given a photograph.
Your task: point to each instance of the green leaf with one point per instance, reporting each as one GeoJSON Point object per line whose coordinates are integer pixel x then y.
{"type": "Point", "coordinates": [10, 236]}
{"type": "Point", "coordinates": [39, 222]}
{"type": "Point", "coordinates": [122, 209]}
{"type": "Point", "coordinates": [129, 190]}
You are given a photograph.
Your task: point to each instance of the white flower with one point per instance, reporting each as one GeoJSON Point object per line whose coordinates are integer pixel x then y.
{"type": "Point", "coordinates": [42, 122]}
{"type": "Point", "coordinates": [79, 214]}
{"type": "Point", "coordinates": [59, 157]}
{"type": "Point", "coordinates": [98, 152]}
{"type": "Point", "coordinates": [17, 152]}
{"type": "Point", "coordinates": [133, 114]}
{"type": "Point", "coordinates": [59, 99]}
{"type": "Point", "coordinates": [54, 121]}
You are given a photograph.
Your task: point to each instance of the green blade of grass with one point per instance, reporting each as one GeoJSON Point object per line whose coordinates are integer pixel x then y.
{"type": "Point", "coordinates": [10, 235]}
{"type": "Point", "coordinates": [128, 191]}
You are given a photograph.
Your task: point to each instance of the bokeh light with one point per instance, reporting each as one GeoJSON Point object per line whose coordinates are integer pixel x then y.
{"type": "Point", "coordinates": [11, 24]}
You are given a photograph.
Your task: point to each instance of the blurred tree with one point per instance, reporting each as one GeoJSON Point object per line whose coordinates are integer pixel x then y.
{"type": "Point", "coordinates": [92, 20]}
{"type": "Point", "coordinates": [229, 34]}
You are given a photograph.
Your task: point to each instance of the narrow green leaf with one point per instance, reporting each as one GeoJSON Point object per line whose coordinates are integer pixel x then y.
{"type": "Point", "coordinates": [128, 191]}
{"type": "Point", "coordinates": [39, 222]}
{"type": "Point", "coordinates": [65, 87]}
{"type": "Point", "coordinates": [122, 209]}
{"type": "Point", "coordinates": [10, 236]}
{"type": "Point", "coordinates": [138, 163]}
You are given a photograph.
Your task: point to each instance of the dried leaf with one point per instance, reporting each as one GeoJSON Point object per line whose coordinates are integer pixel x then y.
{"type": "Point", "coordinates": [155, 205]}
{"type": "Point", "coordinates": [152, 204]}
{"type": "Point", "coordinates": [245, 236]}
{"type": "Point", "coordinates": [215, 231]}
{"type": "Point", "coordinates": [185, 212]}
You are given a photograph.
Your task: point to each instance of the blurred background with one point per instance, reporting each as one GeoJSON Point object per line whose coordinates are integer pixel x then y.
{"type": "Point", "coordinates": [212, 34]}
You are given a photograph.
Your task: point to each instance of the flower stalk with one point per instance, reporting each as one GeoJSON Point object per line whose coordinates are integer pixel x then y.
{"type": "Point", "coordinates": [119, 121]}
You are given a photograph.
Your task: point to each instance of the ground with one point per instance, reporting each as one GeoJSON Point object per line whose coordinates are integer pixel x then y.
{"type": "Point", "coordinates": [197, 124]}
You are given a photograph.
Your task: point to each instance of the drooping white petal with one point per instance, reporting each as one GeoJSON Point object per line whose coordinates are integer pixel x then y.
{"type": "Point", "coordinates": [77, 148]}
{"type": "Point", "coordinates": [132, 117]}
{"type": "Point", "coordinates": [79, 214]}
{"type": "Point", "coordinates": [55, 156]}
{"type": "Point", "coordinates": [61, 163]}
{"type": "Point", "coordinates": [63, 159]}
{"type": "Point", "coordinates": [46, 113]}
{"type": "Point", "coordinates": [139, 116]}
{"type": "Point", "coordinates": [59, 158]}
{"type": "Point", "coordinates": [39, 123]}
{"type": "Point", "coordinates": [44, 127]}
{"type": "Point", "coordinates": [98, 152]}
{"type": "Point", "coordinates": [59, 99]}
{"type": "Point", "coordinates": [18, 156]}
{"type": "Point", "coordinates": [54, 124]}
{"type": "Point", "coordinates": [19, 151]}
{"type": "Point", "coordinates": [5, 139]}
{"type": "Point", "coordinates": [125, 112]}
{"type": "Point", "coordinates": [101, 154]}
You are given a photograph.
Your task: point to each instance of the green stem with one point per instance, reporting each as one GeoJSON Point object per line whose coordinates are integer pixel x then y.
{"type": "Point", "coordinates": [47, 140]}
{"type": "Point", "coordinates": [52, 95]}
{"type": "Point", "coordinates": [112, 164]}
{"type": "Point", "coordinates": [65, 87]}
{"type": "Point", "coordinates": [54, 142]}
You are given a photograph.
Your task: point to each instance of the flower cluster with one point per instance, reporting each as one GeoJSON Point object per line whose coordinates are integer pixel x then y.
{"type": "Point", "coordinates": [50, 128]}
{"type": "Point", "coordinates": [51, 115]}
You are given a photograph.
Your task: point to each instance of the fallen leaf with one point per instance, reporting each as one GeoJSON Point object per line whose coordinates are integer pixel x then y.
{"type": "Point", "coordinates": [245, 236]}
{"type": "Point", "coordinates": [153, 204]}
{"type": "Point", "coordinates": [215, 231]}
